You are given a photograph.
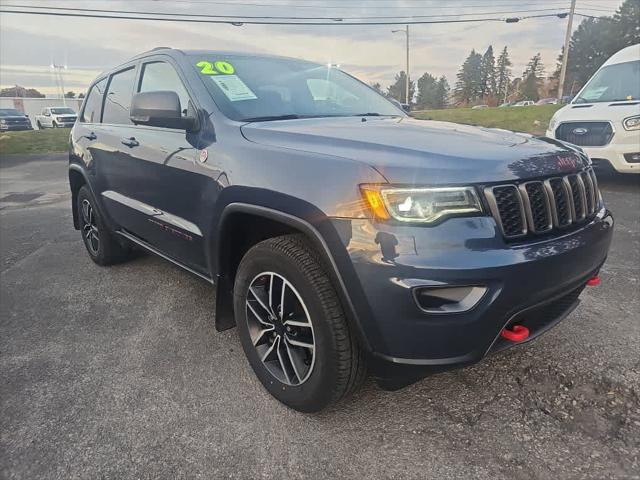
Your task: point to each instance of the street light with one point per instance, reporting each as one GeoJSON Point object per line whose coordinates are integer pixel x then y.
{"type": "Point", "coordinates": [406, 92]}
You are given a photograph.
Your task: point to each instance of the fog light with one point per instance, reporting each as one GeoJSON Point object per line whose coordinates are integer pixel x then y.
{"type": "Point", "coordinates": [632, 157]}
{"type": "Point", "coordinates": [448, 299]}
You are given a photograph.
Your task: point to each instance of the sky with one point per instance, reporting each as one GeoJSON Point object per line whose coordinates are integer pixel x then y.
{"type": "Point", "coordinates": [29, 44]}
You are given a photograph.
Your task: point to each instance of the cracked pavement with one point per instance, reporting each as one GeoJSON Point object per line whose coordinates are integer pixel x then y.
{"type": "Point", "coordinates": [118, 373]}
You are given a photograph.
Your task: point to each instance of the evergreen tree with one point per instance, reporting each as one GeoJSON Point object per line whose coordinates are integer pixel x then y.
{"type": "Point", "coordinates": [427, 85]}
{"type": "Point", "coordinates": [503, 74]}
{"type": "Point", "coordinates": [531, 78]}
{"type": "Point", "coordinates": [397, 90]}
{"type": "Point", "coordinates": [432, 92]}
{"type": "Point", "coordinates": [442, 92]}
{"type": "Point", "coordinates": [488, 74]}
{"type": "Point", "coordinates": [467, 88]}
{"type": "Point", "coordinates": [377, 87]}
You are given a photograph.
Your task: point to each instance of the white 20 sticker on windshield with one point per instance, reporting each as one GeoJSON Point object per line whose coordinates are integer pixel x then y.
{"type": "Point", "coordinates": [234, 88]}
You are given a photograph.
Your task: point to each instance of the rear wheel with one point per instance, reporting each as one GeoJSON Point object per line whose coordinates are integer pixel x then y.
{"type": "Point", "coordinates": [292, 327]}
{"type": "Point", "coordinates": [100, 243]}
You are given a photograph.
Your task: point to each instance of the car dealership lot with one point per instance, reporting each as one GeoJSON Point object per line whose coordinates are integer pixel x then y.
{"type": "Point", "coordinates": [118, 373]}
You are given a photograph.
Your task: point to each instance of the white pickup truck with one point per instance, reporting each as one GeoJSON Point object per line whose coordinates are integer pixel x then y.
{"type": "Point", "coordinates": [55, 117]}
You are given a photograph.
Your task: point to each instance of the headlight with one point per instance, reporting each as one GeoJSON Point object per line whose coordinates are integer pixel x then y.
{"type": "Point", "coordinates": [552, 124]}
{"type": "Point", "coordinates": [420, 205]}
{"type": "Point", "coordinates": [631, 123]}
{"type": "Point", "coordinates": [3, 122]}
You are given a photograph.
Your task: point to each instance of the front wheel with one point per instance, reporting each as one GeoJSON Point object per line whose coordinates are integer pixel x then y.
{"type": "Point", "coordinates": [54, 125]}
{"type": "Point", "coordinates": [292, 326]}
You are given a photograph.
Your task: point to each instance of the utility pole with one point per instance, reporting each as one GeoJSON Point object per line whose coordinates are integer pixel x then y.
{"type": "Point", "coordinates": [407, 80]}
{"type": "Point", "coordinates": [565, 53]}
{"type": "Point", "coordinates": [406, 94]}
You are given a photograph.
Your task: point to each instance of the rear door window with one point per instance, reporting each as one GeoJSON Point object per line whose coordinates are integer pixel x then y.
{"type": "Point", "coordinates": [93, 103]}
{"type": "Point", "coordinates": [118, 99]}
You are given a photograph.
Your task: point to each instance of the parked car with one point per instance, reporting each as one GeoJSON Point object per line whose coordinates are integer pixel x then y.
{"type": "Point", "coordinates": [604, 117]}
{"type": "Point", "coordinates": [477, 107]}
{"type": "Point", "coordinates": [523, 103]}
{"type": "Point", "coordinates": [342, 236]}
{"type": "Point", "coordinates": [56, 117]}
{"type": "Point", "coordinates": [547, 101]}
{"type": "Point", "coordinates": [504, 105]}
{"type": "Point", "coordinates": [12, 119]}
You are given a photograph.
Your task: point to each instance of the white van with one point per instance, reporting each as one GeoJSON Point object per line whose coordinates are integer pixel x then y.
{"type": "Point", "coordinates": [604, 117]}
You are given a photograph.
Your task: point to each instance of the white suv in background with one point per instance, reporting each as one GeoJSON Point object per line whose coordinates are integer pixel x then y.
{"type": "Point", "coordinates": [54, 117]}
{"type": "Point", "coordinates": [604, 117]}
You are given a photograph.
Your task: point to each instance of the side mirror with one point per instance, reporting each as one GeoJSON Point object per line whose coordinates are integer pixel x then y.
{"type": "Point", "coordinates": [159, 109]}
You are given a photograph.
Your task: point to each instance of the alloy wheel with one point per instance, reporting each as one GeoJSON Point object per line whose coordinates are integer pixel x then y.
{"type": "Point", "coordinates": [90, 230]}
{"type": "Point", "coordinates": [280, 328]}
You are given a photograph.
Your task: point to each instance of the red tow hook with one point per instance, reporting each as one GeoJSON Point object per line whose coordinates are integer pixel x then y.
{"type": "Point", "coordinates": [594, 281]}
{"type": "Point", "coordinates": [518, 333]}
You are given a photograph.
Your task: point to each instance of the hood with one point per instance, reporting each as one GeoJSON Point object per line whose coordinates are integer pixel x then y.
{"type": "Point", "coordinates": [14, 117]}
{"type": "Point", "coordinates": [409, 151]}
{"type": "Point", "coordinates": [601, 111]}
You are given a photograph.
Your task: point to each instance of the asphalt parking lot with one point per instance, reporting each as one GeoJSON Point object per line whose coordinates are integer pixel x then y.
{"type": "Point", "coordinates": [118, 373]}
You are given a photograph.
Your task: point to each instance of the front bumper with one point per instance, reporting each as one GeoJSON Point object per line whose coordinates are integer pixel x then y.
{"type": "Point", "coordinates": [391, 261]}
{"type": "Point", "coordinates": [15, 127]}
{"type": "Point", "coordinates": [623, 142]}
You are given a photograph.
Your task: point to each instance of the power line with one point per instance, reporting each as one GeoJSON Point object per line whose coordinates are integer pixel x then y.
{"type": "Point", "coordinates": [593, 16]}
{"type": "Point", "coordinates": [511, 4]}
{"type": "Point", "coordinates": [242, 20]}
{"type": "Point", "coordinates": [277, 17]}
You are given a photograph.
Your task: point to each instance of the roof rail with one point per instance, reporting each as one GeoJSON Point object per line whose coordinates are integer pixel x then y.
{"type": "Point", "coordinates": [160, 48]}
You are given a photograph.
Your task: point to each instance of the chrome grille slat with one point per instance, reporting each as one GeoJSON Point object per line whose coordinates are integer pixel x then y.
{"type": "Point", "coordinates": [589, 192]}
{"type": "Point", "coordinates": [540, 206]}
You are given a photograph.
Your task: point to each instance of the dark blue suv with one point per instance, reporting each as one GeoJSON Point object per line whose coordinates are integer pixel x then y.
{"type": "Point", "coordinates": [342, 236]}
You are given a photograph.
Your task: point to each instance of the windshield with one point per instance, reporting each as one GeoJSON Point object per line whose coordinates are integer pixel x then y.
{"type": "Point", "coordinates": [62, 111]}
{"type": "Point", "coordinates": [257, 88]}
{"type": "Point", "coordinates": [10, 112]}
{"type": "Point", "coordinates": [614, 83]}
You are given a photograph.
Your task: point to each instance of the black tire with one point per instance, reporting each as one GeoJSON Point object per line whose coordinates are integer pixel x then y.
{"type": "Point", "coordinates": [100, 243]}
{"type": "Point", "coordinates": [39, 125]}
{"type": "Point", "coordinates": [338, 365]}
{"type": "Point", "coordinates": [54, 125]}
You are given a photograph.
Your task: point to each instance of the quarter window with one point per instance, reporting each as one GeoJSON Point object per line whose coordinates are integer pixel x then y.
{"type": "Point", "coordinates": [118, 99]}
{"type": "Point", "coordinates": [157, 76]}
{"type": "Point", "coordinates": [93, 103]}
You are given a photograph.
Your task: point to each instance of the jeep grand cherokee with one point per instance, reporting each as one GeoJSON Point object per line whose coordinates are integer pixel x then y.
{"type": "Point", "coordinates": [342, 236]}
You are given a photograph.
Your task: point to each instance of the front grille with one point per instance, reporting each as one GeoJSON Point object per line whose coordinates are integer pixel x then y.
{"type": "Point", "coordinates": [543, 205]}
{"type": "Point", "coordinates": [586, 134]}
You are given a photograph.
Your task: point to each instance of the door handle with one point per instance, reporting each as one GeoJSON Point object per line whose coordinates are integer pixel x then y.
{"type": "Point", "coordinates": [91, 136]}
{"type": "Point", "coordinates": [130, 142]}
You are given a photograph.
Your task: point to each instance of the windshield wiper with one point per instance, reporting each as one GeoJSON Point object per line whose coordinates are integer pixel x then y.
{"type": "Point", "coordinates": [268, 118]}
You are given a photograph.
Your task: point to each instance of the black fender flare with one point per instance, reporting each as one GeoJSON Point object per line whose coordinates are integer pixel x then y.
{"type": "Point", "coordinates": [224, 311]}
{"type": "Point", "coordinates": [77, 168]}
